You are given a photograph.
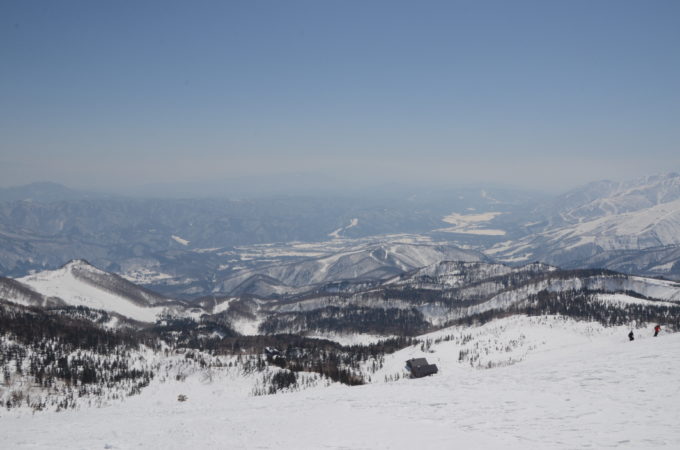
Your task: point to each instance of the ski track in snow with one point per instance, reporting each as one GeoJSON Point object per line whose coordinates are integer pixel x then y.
{"type": "Point", "coordinates": [583, 388]}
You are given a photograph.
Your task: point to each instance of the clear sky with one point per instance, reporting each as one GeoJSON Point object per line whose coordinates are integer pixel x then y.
{"type": "Point", "coordinates": [545, 94]}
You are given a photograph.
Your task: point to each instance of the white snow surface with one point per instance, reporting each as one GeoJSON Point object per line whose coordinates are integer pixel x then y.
{"type": "Point", "coordinates": [336, 234]}
{"type": "Point", "coordinates": [470, 224]}
{"type": "Point", "coordinates": [64, 284]}
{"type": "Point", "coordinates": [179, 240]}
{"type": "Point", "coordinates": [246, 327]}
{"type": "Point", "coordinates": [349, 338]}
{"type": "Point", "coordinates": [576, 385]}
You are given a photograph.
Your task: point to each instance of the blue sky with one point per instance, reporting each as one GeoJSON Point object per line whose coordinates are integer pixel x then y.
{"type": "Point", "coordinates": [544, 94]}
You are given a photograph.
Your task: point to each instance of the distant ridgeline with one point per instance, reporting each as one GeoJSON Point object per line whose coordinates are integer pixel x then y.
{"type": "Point", "coordinates": [452, 293]}
{"type": "Point", "coordinates": [184, 248]}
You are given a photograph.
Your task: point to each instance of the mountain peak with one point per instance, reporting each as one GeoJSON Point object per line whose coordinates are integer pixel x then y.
{"type": "Point", "coordinates": [78, 263]}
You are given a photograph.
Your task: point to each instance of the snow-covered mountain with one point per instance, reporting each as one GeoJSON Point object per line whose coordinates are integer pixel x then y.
{"type": "Point", "coordinates": [631, 226]}
{"type": "Point", "coordinates": [609, 198]}
{"type": "Point", "coordinates": [449, 292]}
{"type": "Point", "coordinates": [78, 283]}
{"type": "Point", "coordinates": [451, 274]}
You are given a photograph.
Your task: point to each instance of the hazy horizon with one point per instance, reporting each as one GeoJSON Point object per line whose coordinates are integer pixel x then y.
{"type": "Point", "coordinates": [133, 97]}
{"type": "Point", "coordinates": [307, 187]}
{"type": "Point", "coordinates": [316, 184]}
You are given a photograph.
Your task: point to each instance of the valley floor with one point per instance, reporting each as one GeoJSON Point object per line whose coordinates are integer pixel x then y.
{"type": "Point", "coordinates": [578, 387]}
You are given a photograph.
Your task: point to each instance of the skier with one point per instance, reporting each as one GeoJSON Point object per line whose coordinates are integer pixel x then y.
{"type": "Point", "coordinates": [630, 335]}
{"type": "Point", "coordinates": [656, 330]}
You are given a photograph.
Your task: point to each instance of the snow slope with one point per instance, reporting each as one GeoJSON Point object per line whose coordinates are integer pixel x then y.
{"type": "Point", "coordinates": [578, 385]}
{"type": "Point", "coordinates": [78, 283]}
{"type": "Point", "coordinates": [655, 226]}
{"type": "Point", "coordinates": [17, 292]}
{"type": "Point", "coordinates": [610, 198]}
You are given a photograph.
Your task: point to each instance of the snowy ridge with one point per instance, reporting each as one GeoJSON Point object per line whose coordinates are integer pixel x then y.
{"type": "Point", "coordinates": [450, 274]}
{"type": "Point", "coordinates": [79, 284]}
{"type": "Point", "coordinates": [668, 292]}
{"type": "Point", "coordinates": [656, 226]}
{"type": "Point", "coordinates": [453, 291]}
{"type": "Point", "coordinates": [440, 293]}
{"type": "Point", "coordinates": [608, 198]}
{"type": "Point", "coordinates": [623, 299]}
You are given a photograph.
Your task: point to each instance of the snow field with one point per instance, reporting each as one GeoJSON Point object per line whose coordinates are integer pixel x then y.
{"type": "Point", "coordinates": [571, 385]}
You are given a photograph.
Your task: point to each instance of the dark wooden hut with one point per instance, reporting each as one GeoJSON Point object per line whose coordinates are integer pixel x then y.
{"type": "Point", "coordinates": [419, 367]}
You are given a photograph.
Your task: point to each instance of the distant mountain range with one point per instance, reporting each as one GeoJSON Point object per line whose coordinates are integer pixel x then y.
{"type": "Point", "coordinates": [186, 248]}
{"type": "Point", "coordinates": [366, 263]}
{"type": "Point", "coordinates": [194, 245]}
{"type": "Point", "coordinates": [632, 227]}
{"type": "Point", "coordinates": [409, 303]}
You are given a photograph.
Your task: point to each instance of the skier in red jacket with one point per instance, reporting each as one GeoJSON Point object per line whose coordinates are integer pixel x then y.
{"type": "Point", "coordinates": [656, 330]}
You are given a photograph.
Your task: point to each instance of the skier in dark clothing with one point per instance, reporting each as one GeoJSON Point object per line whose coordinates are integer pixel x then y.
{"type": "Point", "coordinates": [656, 330]}
{"type": "Point", "coordinates": [631, 336]}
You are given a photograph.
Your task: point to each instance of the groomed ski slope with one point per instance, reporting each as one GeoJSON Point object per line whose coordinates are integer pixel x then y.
{"type": "Point", "coordinates": [576, 385]}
